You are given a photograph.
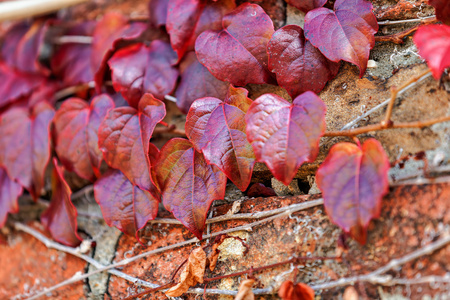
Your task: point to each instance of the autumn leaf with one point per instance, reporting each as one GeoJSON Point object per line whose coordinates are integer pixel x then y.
{"type": "Point", "coordinates": [15, 84]}
{"type": "Point", "coordinates": [307, 5]}
{"type": "Point", "coordinates": [245, 291]}
{"type": "Point", "coordinates": [60, 218]}
{"type": "Point", "coordinates": [123, 204]}
{"type": "Point", "coordinates": [124, 137]}
{"type": "Point", "coordinates": [237, 53]}
{"type": "Point", "coordinates": [260, 190]}
{"type": "Point", "coordinates": [22, 46]}
{"type": "Point", "coordinates": [197, 82]}
{"type": "Point", "coordinates": [109, 32]}
{"type": "Point", "coordinates": [300, 291]}
{"type": "Point", "coordinates": [157, 12]}
{"type": "Point", "coordinates": [285, 135]}
{"type": "Point", "coordinates": [72, 61]}
{"type": "Point", "coordinates": [442, 8]}
{"type": "Point", "coordinates": [188, 184]}
{"type": "Point", "coordinates": [192, 273]}
{"type": "Point", "coordinates": [9, 193]}
{"type": "Point", "coordinates": [433, 42]}
{"type": "Point", "coordinates": [347, 33]}
{"type": "Point", "coordinates": [217, 128]}
{"type": "Point", "coordinates": [213, 256]}
{"type": "Point", "coordinates": [298, 65]}
{"type": "Point", "coordinates": [140, 69]}
{"type": "Point", "coordinates": [76, 132]}
{"type": "Point", "coordinates": [353, 180]}
{"type": "Point", "coordinates": [187, 19]}
{"type": "Point", "coordinates": [25, 144]}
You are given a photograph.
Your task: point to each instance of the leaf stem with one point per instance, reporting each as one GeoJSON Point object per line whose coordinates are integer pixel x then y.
{"type": "Point", "coordinates": [71, 90]}
{"type": "Point", "coordinates": [73, 39]}
{"type": "Point", "coordinates": [389, 22]}
{"type": "Point", "coordinates": [395, 91]}
{"type": "Point", "coordinates": [293, 260]}
{"type": "Point", "coordinates": [380, 127]}
{"type": "Point", "coordinates": [398, 37]}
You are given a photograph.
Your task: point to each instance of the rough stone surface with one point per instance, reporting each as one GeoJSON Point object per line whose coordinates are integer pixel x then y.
{"type": "Point", "coordinates": [28, 266]}
{"type": "Point", "coordinates": [286, 190]}
{"type": "Point", "coordinates": [403, 227]}
{"type": "Point", "coordinates": [412, 215]}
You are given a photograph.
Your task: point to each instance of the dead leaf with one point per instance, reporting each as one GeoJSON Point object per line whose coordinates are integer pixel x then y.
{"type": "Point", "coordinates": [350, 294]}
{"type": "Point", "coordinates": [300, 291]}
{"type": "Point", "coordinates": [213, 257]}
{"type": "Point", "coordinates": [192, 273]}
{"type": "Point", "coordinates": [245, 291]}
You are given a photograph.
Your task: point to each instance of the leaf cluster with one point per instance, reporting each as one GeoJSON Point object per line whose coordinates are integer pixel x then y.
{"type": "Point", "coordinates": [204, 52]}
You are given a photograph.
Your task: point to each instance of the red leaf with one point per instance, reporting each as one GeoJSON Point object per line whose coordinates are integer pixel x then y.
{"type": "Point", "coordinates": [347, 33]}
{"type": "Point", "coordinates": [157, 10]}
{"type": "Point", "coordinates": [442, 10]}
{"type": "Point", "coordinates": [140, 69]}
{"type": "Point", "coordinates": [123, 204]}
{"type": "Point", "coordinates": [187, 19]}
{"type": "Point", "coordinates": [197, 82]}
{"type": "Point", "coordinates": [353, 179]}
{"type": "Point", "coordinates": [60, 218]}
{"type": "Point", "coordinates": [76, 131]}
{"type": "Point", "coordinates": [217, 129]}
{"type": "Point", "coordinates": [113, 29]}
{"type": "Point", "coordinates": [285, 135]}
{"type": "Point", "coordinates": [15, 84]}
{"type": "Point", "coordinates": [124, 137]}
{"type": "Point", "coordinates": [260, 190]}
{"type": "Point", "coordinates": [9, 193]}
{"type": "Point", "coordinates": [25, 144]}
{"type": "Point", "coordinates": [433, 42]}
{"type": "Point", "coordinates": [299, 66]}
{"type": "Point", "coordinates": [72, 61]}
{"type": "Point", "coordinates": [307, 5]}
{"type": "Point", "coordinates": [238, 52]}
{"type": "Point", "coordinates": [188, 184]}
{"type": "Point", "coordinates": [22, 46]}
{"type": "Point", "coordinates": [300, 291]}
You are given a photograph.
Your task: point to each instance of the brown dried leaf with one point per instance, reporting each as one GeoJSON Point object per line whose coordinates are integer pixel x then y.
{"type": "Point", "coordinates": [245, 291]}
{"type": "Point", "coordinates": [213, 256]}
{"type": "Point", "coordinates": [299, 291]}
{"type": "Point", "coordinates": [192, 273]}
{"type": "Point", "coordinates": [350, 293]}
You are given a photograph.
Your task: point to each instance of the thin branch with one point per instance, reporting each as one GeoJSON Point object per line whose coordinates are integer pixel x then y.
{"type": "Point", "coordinates": [169, 130]}
{"type": "Point", "coordinates": [398, 37]}
{"type": "Point", "coordinates": [384, 103]}
{"type": "Point", "coordinates": [291, 209]}
{"type": "Point", "coordinates": [253, 215]}
{"type": "Point", "coordinates": [380, 127]}
{"type": "Point", "coordinates": [73, 39]}
{"type": "Point", "coordinates": [420, 181]}
{"type": "Point", "coordinates": [110, 268]}
{"type": "Point", "coordinates": [170, 98]}
{"type": "Point", "coordinates": [374, 277]}
{"type": "Point", "coordinates": [75, 252]}
{"type": "Point", "coordinates": [389, 22]}
{"type": "Point", "coordinates": [395, 91]}
{"type": "Point", "coordinates": [71, 90]}
{"type": "Point", "coordinates": [22, 9]}
{"type": "Point", "coordinates": [83, 193]}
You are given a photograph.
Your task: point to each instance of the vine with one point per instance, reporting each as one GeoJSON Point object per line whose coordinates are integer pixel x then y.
{"type": "Point", "coordinates": [120, 71]}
